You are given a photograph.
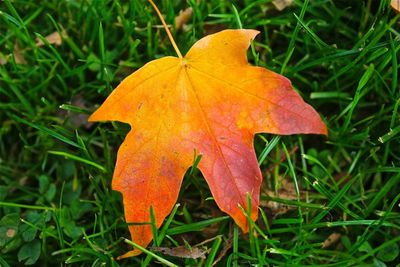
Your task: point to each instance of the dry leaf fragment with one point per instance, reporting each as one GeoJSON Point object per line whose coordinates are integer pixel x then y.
{"type": "Point", "coordinates": [332, 239]}
{"type": "Point", "coordinates": [286, 191]}
{"type": "Point", "coordinates": [3, 59]}
{"type": "Point", "coordinates": [53, 38]}
{"type": "Point", "coordinates": [282, 4]}
{"type": "Point", "coordinates": [18, 56]}
{"type": "Point", "coordinates": [183, 17]}
{"type": "Point", "coordinates": [396, 5]}
{"type": "Point", "coordinates": [182, 252]}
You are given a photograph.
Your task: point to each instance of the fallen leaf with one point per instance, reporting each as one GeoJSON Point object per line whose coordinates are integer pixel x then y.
{"type": "Point", "coordinates": [332, 239]}
{"type": "Point", "coordinates": [53, 38]}
{"type": "Point", "coordinates": [210, 101]}
{"type": "Point", "coordinates": [183, 18]}
{"type": "Point", "coordinates": [396, 5]}
{"type": "Point", "coordinates": [282, 4]}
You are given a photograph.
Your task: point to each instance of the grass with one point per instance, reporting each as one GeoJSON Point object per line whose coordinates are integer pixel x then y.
{"type": "Point", "coordinates": [56, 202]}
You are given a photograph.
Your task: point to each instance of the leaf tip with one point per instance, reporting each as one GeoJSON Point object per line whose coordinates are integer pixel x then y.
{"type": "Point", "coordinates": [95, 116]}
{"type": "Point", "coordinates": [129, 254]}
{"type": "Point", "coordinates": [320, 127]}
{"type": "Point", "coordinates": [251, 34]}
{"type": "Point", "coordinates": [324, 130]}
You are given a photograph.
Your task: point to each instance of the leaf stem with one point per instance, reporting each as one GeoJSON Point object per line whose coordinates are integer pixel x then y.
{"type": "Point", "coordinates": [166, 29]}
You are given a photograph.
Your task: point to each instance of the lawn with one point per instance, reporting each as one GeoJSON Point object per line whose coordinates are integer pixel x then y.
{"type": "Point", "coordinates": [326, 201]}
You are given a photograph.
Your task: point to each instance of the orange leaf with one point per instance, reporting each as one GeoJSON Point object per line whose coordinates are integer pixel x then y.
{"type": "Point", "coordinates": [211, 101]}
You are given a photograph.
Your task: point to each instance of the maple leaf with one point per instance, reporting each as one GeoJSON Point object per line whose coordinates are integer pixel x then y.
{"type": "Point", "coordinates": [211, 101]}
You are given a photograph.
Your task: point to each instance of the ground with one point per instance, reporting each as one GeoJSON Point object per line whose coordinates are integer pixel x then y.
{"type": "Point", "coordinates": [330, 201]}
